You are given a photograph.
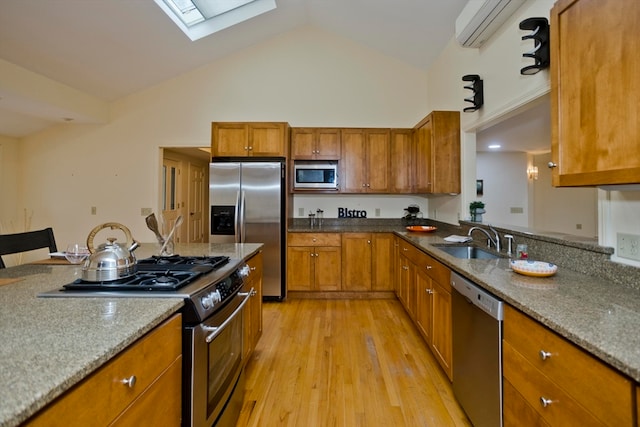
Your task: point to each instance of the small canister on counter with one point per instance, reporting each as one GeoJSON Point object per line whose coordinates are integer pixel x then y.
{"type": "Point", "coordinates": [521, 251]}
{"type": "Point", "coordinates": [312, 220]}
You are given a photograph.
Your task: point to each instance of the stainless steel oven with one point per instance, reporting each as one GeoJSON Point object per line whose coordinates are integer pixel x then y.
{"type": "Point", "coordinates": [213, 350]}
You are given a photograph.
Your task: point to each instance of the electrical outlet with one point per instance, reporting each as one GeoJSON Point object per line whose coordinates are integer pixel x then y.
{"type": "Point", "coordinates": [145, 211]}
{"type": "Point", "coordinates": [377, 211]}
{"type": "Point", "coordinates": [94, 210]}
{"type": "Point", "coordinates": [628, 246]}
{"type": "Point", "coordinates": [300, 211]}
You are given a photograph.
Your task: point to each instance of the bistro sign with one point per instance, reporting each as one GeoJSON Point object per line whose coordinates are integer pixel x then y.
{"type": "Point", "coordinates": [351, 213]}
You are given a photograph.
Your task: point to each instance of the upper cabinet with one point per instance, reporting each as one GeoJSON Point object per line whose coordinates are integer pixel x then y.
{"type": "Point", "coordinates": [594, 92]}
{"type": "Point", "coordinates": [402, 159]}
{"type": "Point", "coordinates": [437, 153]}
{"type": "Point", "coordinates": [249, 139]}
{"type": "Point", "coordinates": [365, 161]}
{"type": "Point", "coordinates": [315, 143]}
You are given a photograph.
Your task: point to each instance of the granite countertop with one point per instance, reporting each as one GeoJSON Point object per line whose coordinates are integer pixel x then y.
{"type": "Point", "coordinates": [50, 344]}
{"type": "Point", "coordinates": [598, 315]}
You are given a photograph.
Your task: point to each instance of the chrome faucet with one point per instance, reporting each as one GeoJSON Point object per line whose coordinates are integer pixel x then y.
{"type": "Point", "coordinates": [495, 240]}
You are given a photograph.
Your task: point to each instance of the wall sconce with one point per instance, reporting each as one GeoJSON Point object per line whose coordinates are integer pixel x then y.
{"type": "Point", "coordinates": [540, 36]}
{"type": "Point", "coordinates": [532, 172]}
{"type": "Point", "coordinates": [477, 88]}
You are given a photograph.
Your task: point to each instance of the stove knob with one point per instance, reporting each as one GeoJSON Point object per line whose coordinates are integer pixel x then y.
{"type": "Point", "coordinates": [207, 302]}
{"type": "Point", "coordinates": [215, 296]}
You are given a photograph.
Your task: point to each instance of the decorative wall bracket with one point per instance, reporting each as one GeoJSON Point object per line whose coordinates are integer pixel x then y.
{"type": "Point", "coordinates": [477, 87]}
{"type": "Point", "coordinates": [539, 28]}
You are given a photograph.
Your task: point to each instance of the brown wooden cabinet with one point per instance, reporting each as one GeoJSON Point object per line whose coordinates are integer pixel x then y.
{"type": "Point", "coordinates": [315, 143]}
{"type": "Point", "coordinates": [550, 381]}
{"type": "Point", "coordinates": [249, 139]}
{"type": "Point", "coordinates": [252, 315]}
{"type": "Point", "coordinates": [314, 262]}
{"type": "Point", "coordinates": [594, 92]}
{"type": "Point", "coordinates": [437, 153]}
{"type": "Point", "coordinates": [364, 166]}
{"type": "Point", "coordinates": [425, 292]}
{"type": "Point", "coordinates": [366, 261]}
{"type": "Point", "coordinates": [153, 397]}
{"type": "Point", "coordinates": [402, 161]}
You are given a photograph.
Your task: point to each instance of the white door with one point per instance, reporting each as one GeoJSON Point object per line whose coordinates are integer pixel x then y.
{"type": "Point", "coordinates": [171, 196]}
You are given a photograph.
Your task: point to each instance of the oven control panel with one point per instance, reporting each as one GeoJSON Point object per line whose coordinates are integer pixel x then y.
{"type": "Point", "coordinates": [210, 299]}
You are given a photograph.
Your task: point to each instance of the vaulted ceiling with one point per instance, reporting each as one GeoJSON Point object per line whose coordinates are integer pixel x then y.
{"type": "Point", "coordinates": [107, 49]}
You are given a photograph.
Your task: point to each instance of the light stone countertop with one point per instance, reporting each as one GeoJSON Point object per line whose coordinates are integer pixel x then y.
{"type": "Point", "coordinates": [50, 344]}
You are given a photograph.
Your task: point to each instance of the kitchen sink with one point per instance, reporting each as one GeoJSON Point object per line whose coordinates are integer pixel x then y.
{"type": "Point", "coordinates": [467, 251]}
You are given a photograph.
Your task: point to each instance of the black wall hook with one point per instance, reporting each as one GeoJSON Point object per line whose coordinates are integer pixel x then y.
{"type": "Point", "coordinates": [477, 87]}
{"type": "Point", "coordinates": [539, 28]}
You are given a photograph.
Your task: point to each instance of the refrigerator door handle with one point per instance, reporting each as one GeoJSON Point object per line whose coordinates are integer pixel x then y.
{"type": "Point", "coordinates": [243, 217]}
{"type": "Point", "coordinates": [238, 218]}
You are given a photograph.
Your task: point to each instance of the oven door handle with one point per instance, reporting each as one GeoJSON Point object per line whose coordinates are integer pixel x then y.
{"type": "Point", "coordinates": [215, 330]}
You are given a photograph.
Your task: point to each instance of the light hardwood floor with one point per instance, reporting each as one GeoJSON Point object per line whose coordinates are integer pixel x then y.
{"type": "Point", "coordinates": [345, 363]}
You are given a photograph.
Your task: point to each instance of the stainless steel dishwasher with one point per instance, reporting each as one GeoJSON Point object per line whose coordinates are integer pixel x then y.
{"type": "Point", "coordinates": [477, 352]}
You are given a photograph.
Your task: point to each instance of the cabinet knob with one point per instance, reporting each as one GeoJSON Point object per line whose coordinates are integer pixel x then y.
{"type": "Point", "coordinates": [544, 355]}
{"type": "Point", "coordinates": [552, 165]}
{"type": "Point", "coordinates": [129, 382]}
{"type": "Point", "coordinates": [429, 291]}
{"type": "Point", "coordinates": [313, 239]}
{"type": "Point", "coordinates": [404, 267]}
{"type": "Point", "coordinates": [317, 255]}
{"type": "Point", "coordinates": [368, 242]}
{"type": "Point", "coordinates": [545, 402]}
{"type": "Point", "coordinates": [429, 267]}
{"type": "Point", "coordinates": [364, 185]}
{"type": "Point", "coordinates": [250, 148]}
{"type": "Point", "coordinates": [312, 254]}
{"type": "Point", "coordinates": [246, 148]}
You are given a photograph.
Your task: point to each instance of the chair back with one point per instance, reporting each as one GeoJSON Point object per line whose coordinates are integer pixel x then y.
{"type": "Point", "coordinates": [27, 241]}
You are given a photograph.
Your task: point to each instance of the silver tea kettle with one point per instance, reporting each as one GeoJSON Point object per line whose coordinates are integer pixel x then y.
{"type": "Point", "coordinates": [110, 261]}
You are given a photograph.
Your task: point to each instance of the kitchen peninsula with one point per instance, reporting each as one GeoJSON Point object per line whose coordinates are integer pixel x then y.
{"type": "Point", "coordinates": [51, 344]}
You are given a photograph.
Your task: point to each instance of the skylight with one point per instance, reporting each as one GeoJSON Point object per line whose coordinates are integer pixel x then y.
{"type": "Point", "coordinates": [200, 18]}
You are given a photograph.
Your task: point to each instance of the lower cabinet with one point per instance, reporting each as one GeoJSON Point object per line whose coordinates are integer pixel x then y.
{"type": "Point", "coordinates": [367, 261]}
{"type": "Point", "coordinates": [252, 315]}
{"type": "Point", "coordinates": [550, 381]}
{"type": "Point", "coordinates": [314, 262]}
{"type": "Point", "coordinates": [140, 386]}
{"type": "Point", "coordinates": [425, 292]}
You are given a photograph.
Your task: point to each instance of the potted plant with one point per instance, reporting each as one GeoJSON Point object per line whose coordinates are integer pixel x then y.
{"type": "Point", "coordinates": [476, 209]}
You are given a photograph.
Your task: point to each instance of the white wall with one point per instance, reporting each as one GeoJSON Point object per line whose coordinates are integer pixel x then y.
{"type": "Point", "coordinates": [376, 206]}
{"type": "Point", "coordinates": [306, 77]}
{"type": "Point", "coordinates": [11, 219]}
{"type": "Point", "coordinates": [505, 186]}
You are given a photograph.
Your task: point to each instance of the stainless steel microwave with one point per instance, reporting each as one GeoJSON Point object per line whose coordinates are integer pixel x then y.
{"type": "Point", "coordinates": [315, 175]}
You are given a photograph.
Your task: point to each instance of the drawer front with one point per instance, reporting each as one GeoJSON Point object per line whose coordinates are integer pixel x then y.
{"type": "Point", "coordinates": [100, 398]}
{"type": "Point", "coordinates": [411, 252]}
{"type": "Point", "coordinates": [314, 239]}
{"type": "Point", "coordinates": [560, 408]}
{"type": "Point", "coordinates": [437, 271]}
{"type": "Point", "coordinates": [604, 391]}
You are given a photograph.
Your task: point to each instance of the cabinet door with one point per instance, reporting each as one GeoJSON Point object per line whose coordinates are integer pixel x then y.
{"type": "Point", "coordinates": [382, 261]}
{"type": "Point", "coordinates": [594, 92]}
{"type": "Point", "coordinates": [267, 139]}
{"type": "Point", "coordinates": [424, 303]}
{"type": "Point", "coordinates": [401, 155]}
{"type": "Point", "coordinates": [377, 157]}
{"type": "Point", "coordinates": [356, 261]}
{"type": "Point", "coordinates": [353, 168]}
{"type": "Point", "coordinates": [303, 143]}
{"type": "Point", "coordinates": [441, 339]}
{"type": "Point", "coordinates": [300, 273]}
{"type": "Point", "coordinates": [329, 144]}
{"type": "Point", "coordinates": [229, 139]}
{"type": "Point", "coordinates": [255, 309]}
{"type": "Point", "coordinates": [445, 152]}
{"type": "Point", "coordinates": [405, 276]}
{"type": "Point", "coordinates": [328, 260]}
{"type": "Point", "coordinates": [422, 171]}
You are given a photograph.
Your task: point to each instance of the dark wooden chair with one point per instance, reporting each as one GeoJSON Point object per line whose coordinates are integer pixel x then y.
{"type": "Point", "coordinates": [27, 241]}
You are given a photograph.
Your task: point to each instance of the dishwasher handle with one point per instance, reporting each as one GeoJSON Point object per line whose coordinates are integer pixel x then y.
{"type": "Point", "coordinates": [477, 296]}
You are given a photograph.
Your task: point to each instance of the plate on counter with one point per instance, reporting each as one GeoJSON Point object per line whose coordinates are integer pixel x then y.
{"type": "Point", "coordinates": [533, 268]}
{"type": "Point", "coordinates": [422, 228]}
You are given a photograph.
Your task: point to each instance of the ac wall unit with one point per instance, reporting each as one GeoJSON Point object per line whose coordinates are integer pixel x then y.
{"type": "Point", "coordinates": [481, 18]}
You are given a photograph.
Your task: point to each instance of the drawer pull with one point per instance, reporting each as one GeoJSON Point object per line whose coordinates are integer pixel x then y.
{"type": "Point", "coordinates": [544, 355]}
{"type": "Point", "coordinates": [545, 402]}
{"type": "Point", "coordinates": [129, 382]}
{"type": "Point", "coordinates": [429, 267]}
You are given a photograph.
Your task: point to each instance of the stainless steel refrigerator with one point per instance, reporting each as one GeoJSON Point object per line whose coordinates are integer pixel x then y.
{"type": "Point", "coordinates": [248, 206]}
